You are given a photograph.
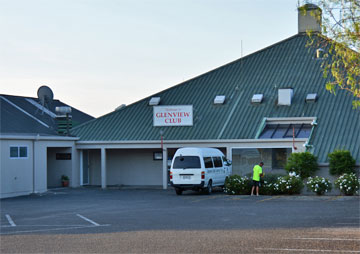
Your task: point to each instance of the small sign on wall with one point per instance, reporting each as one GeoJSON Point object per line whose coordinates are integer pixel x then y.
{"type": "Point", "coordinates": [63, 156]}
{"type": "Point", "coordinates": [177, 115]}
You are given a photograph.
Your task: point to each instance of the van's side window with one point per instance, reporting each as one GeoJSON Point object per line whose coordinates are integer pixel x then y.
{"type": "Point", "coordinates": [217, 162]}
{"type": "Point", "coordinates": [208, 162]}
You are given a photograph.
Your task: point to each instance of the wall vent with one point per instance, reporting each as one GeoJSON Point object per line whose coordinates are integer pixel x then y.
{"type": "Point", "coordinates": [219, 99]}
{"type": "Point", "coordinates": [285, 96]}
{"type": "Point", "coordinates": [154, 101]}
{"type": "Point", "coordinates": [311, 97]}
{"type": "Point", "coordinates": [257, 98]}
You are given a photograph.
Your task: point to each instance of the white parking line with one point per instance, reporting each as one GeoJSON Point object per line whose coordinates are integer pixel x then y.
{"type": "Point", "coordinates": [11, 222]}
{"type": "Point", "coordinates": [52, 229]}
{"type": "Point", "coordinates": [323, 239]}
{"type": "Point", "coordinates": [309, 250]}
{"type": "Point", "coordinates": [88, 220]}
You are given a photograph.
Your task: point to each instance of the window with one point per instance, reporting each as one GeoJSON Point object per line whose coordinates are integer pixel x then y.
{"type": "Point", "coordinates": [217, 162]}
{"type": "Point", "coordinates": [182, 162]}
{"type": "Point", "coordinates": [286, 131]}
{"type": "Point", "coordinates": [17, 152]}
{"type": "Point", "coordinates": [279, 157]}
{"type": "Point", "coordinates": [156, 156]}
{"type": "Point", "coordinates": [208, 162]}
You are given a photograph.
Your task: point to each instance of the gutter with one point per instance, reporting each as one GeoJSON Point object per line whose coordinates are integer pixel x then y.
{"type": "Point", "coordinates": [38, 137]}
{"type": "Point", "coordinates": [307, 144]}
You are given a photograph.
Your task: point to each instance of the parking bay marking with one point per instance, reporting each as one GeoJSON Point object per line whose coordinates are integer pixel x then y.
{"type": "Point", "coordinates": [267, 199]}
{"type": "Point", "coordinates": [52, 229]}
{"type": "Point", "coordinates": [11, 222]}
{"type": "Point", "coordinates": [309, 250]}
{"type": "Point", "coordinates": [323, 239]}
{"type": "Point", "coordinates": [88, 220]}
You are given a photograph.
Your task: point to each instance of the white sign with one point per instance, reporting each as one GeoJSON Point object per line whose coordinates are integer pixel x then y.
{"type": "Point", "coordinates": [181, 115]}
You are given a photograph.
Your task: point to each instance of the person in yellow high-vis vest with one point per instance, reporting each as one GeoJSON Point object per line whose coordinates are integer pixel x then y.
{"type": "Point", "coordinates": [257, 173]}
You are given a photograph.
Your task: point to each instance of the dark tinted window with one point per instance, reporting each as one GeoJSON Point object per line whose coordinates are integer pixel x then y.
{"type": "Point", "coordinates": [208, 162]}
{"type": "Point", "coordinates": [14, 152]}
{"type": "Point", "coordinates": [23, 152]}
{"type": "Point", "coordinates": [217, 162]}
{"type": "Point", "coordinates": [286, 131]}
{"type": "Point", "coordinates": [187, 162]}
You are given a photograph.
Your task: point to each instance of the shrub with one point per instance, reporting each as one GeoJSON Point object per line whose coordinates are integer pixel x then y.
{"type": "Point", "coordinates": [237, 185]}
{"type": "Point", "coordinates": [340, 162]}
{"type": "Point", "coordinates": [319, 185]}
{"type": "Point", "coordinates": [290, 184]}
{"type": "Point", "coordinates": [348, 184]}
{"type": "Point", "coordinates": [267, 184]}
{"type": "Point", "coordinates": [303, 164]}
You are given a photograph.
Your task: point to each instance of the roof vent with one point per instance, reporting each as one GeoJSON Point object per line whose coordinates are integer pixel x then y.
{"type": "Point", "coordinates": [311, 97]}
{"type": "Point", "coordinates": [154, 101]}
{"type": "Point", "coordinates": [219, 99]}
{"type": "Point", "coordinates": [120, 107]}
{"type": "Point", "coordinates": [257, 98]}
{"type": "Point", "coordinates": [284, 96]}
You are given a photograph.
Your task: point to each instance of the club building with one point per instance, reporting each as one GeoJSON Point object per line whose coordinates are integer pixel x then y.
{"type": "Point", "coordinates": [261, 107]}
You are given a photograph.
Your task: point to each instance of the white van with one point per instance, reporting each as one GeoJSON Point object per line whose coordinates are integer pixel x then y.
{"type": "Point", "coordinates": [198, 169]}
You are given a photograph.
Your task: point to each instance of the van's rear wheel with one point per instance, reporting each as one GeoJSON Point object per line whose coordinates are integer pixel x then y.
{"type": "Point", "coordinates": [178, 191]}
{"type": "Point", "coordinates": [209, 188]}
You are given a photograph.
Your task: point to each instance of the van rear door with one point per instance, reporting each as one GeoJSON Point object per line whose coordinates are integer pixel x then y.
{"type": "Point", "coordinates": [186, 170]}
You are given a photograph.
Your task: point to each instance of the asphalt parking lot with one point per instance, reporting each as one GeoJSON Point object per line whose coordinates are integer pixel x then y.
{"type": "Point", "coordinates": [157, 221]}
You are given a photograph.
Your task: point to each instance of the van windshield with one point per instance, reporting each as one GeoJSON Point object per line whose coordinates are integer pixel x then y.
{"type": "Point", "coordinates": [187, 162]}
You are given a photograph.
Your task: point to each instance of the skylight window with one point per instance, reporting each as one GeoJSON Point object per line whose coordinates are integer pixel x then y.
{"type": "Point", "coordinates": [154, 101]}
{"type": "Point", "coordinates": [279, 131]}
{"type": "Point", "coordinates": [257, 98]}
{"type": "Point", "coordinates": [219, 99]}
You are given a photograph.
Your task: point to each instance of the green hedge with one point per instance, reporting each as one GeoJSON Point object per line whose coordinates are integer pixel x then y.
{"type": "Point", "coordinates": [341, 162]}
{"type": "Point", "coordinates": [303, 164]}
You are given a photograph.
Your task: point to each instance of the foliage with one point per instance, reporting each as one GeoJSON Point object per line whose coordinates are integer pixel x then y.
{"type": "Point", "coordinates": [237, 185]}
{"type": "Point", "coordinates": [319, 185]}
{"type": "Point", "coordinates": [340, 162]}
{"type": "Point", "coordinates": [348, 184]}
{"type": "Point", "coordinates": [268, 184]}
{"type": "Point", "coordinates": [64, 178]}
{"type": "Point", "coordinates": [303, 164]}
{"type": "Point", "coordinates": [341, 39]}
{"type": "Point", "coordinates": [290, 184]}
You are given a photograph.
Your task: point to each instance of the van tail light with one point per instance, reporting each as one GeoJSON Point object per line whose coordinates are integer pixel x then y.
{"type": "Point", "coordinates": [203, 175]}
{"type": "Point", "coordinates": [170, 175]}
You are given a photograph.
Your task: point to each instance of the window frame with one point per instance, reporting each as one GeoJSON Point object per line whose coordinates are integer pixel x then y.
{"type": "Point", "coordinates": [19, 157]}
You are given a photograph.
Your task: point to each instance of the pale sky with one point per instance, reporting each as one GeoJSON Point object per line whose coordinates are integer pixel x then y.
{"type": "Point", "coordinates": [98, 54]}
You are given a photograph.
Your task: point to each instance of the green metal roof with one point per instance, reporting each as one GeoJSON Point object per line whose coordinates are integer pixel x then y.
{"type": "Point", "coordinates": [288, 63]}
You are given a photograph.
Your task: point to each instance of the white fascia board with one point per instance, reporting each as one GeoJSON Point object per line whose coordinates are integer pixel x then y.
{"type": "Point", "coordinates": [181, 143]}
{"type": "Point", "coordinates": [35, 137]}
{"type": "Point", "coordinates": [290, 120]}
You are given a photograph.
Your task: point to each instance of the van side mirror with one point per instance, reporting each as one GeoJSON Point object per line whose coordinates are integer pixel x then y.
{"type": "Point", "coordinates": [228, 163]}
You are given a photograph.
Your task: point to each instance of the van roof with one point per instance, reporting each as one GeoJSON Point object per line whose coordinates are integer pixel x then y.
{"type": "Point", "coordinates": [201, 151]}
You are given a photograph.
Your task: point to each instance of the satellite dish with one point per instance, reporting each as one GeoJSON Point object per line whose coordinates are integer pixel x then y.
{"type": "Point", "coordinates": [45, 95]}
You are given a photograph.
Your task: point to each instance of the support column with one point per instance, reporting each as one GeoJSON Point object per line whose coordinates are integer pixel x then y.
{"type": "Point", "coordinates": [81, 168]}
{"type": "Point", "coordinates": [228, 153]}
{"type": "Point", "coordinates": [165, 169]}
{"type": "Point", "coordinates": [103, 168]}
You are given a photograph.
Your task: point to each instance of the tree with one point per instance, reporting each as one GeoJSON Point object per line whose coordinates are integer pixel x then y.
{"type": "Point", "coordinates": [341, 37]}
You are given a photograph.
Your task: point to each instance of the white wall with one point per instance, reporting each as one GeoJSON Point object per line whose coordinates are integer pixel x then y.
{"type": "Point", "coordinates": [25, 176]}
{"type": "Point", "coordinates": [57, 168]}
{"type": "Point", "coordinates": [126, 167]}
{"type": "Point", "coordinates": [16, 174]}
